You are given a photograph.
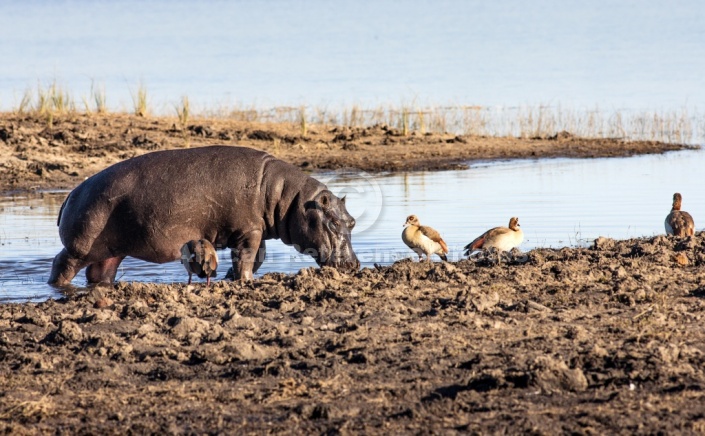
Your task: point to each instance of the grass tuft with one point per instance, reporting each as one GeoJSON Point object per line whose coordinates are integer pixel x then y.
{"type": "Point", "coordinates": [99, 98]}
{"type": "Point", "coordinates": [183, 112]}
{"type": "Point", "coordinates": [25, 102]}
{"type": "Point", "coordinates": [303, 124]}
{"type": "Point", "coordinates": [139, 101]}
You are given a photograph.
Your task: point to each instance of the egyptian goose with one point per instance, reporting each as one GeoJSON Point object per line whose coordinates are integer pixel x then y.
{"type": "Point", "coordinates": [199, 257]}
{"type": "Point", "coordinates": [423, 239]}
{"type": "Point", "coordinates": [501, 238]}
{"type": "Point", "coordinates": [678, 222]}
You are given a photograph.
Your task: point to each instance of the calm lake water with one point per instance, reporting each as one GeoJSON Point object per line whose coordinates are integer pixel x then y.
{"type": "Point", "coordinates": [635, 54]}
{"type": "Point", "coordinates": [560, 202]}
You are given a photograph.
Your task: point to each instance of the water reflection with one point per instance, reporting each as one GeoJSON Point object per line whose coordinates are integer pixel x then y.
{"type": "Point", "coordinates": [559, 202]}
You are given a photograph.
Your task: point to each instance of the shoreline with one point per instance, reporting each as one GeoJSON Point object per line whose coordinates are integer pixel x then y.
{"type": "Point", "coordinates": [569, 339]}
{"type": "Point", "coordinates": [35, 155]}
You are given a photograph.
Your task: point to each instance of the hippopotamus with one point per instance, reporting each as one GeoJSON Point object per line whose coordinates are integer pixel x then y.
{"type": "Point", "coordinates": [148, 206]}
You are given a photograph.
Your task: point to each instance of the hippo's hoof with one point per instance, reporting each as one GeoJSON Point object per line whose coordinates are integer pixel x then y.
{"type": "Point", "coordinates": [229, 275]}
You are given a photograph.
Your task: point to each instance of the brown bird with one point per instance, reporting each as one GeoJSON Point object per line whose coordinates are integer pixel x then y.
{"type": "Point", "coordinates": [678, 222]}
{"type": "Point", "coordinates": [423, 239]}
{"type": "Point", "coordinates": [501, 238]}
{"type": "Point", "coordinates": [199, 257]}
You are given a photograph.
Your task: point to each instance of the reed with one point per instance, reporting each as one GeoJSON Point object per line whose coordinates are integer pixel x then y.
{"type": "Point", "coordinates": [60, 100]}
{"type": "Point", "coordinates": [421, 121]}
{"type": "Point", "coordinates": [183, 112]}
{"type": "Point", "coordinates": [43, 105]}
{"type": "Point", "coordinates": [404, 116]}
{"type": "Point", "coordinates": [139, 101]}
{"type": "Point", "coordinates": [539, 121]}
{"type": "Point", "coordinates": [303, 124]}
{"type": "Point", "coordinates": [25, 102]}
{"type": "Point", "coordinates": [99, 98]}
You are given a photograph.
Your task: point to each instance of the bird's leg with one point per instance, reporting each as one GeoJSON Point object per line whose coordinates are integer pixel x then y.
{"type": "Point", "coordinates": [208, 280]}
{"type": "Point", "coordinates": [419, 253]}
{"type": "Point", "coordinates": [189, 279]}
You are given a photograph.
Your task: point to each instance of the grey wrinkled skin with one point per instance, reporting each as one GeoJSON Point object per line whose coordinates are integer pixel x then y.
{"type": "Point", "coordinates": [147, 207]}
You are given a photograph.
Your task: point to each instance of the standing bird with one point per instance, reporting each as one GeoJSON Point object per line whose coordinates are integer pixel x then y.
{"type": "Point", "coordinates": [679, 222]}
{"type": "Point", "coordinates": [501, 238]}
{"type": "Point", "coordinates": [199, 257]}
{"type": "Point", "coordinates": [423, 239]}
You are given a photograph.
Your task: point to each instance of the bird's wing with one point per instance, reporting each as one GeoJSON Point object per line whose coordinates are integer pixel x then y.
{"type": "Point", "coordinates": [186, 257]}
{"type": "Point", "coordinates": [212, 261]}
{"type": "Point", "coordinates": [480, 240]}
{"type": "Point", "coordinates": [433, 235]}
{"type": "Point", "coordinates": [476, 243]}
{"type": "Point", "coordinates": [690, 223]}
{"type": "Point", "coordinates": [493, 233]}
{"type": "Point", "coordinates": [681, 223]}
{"type": "Point", "coordinates": [199, 252]}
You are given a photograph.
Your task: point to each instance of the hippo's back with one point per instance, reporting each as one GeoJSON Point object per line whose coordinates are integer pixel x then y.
{"type": "Point", "coordinates": [187, 193]}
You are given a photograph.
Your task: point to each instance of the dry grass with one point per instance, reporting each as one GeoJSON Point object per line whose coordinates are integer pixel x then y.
{"type": "Point", "coordinates": [99, 98]}
{"type": "Point", "coordinates": [139, 101]}
{"type": "Point", "coordinates": [183, 112]}
{"type": "Point", "coordinates": [541, 121]}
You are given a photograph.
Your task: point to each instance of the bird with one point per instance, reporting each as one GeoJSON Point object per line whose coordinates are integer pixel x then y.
{"type": "Point", "coordinates": [678, 222]}
{"type": "Point", "coordinates": [423, 239]}
{"type": "Point", "coordinates": [199, 257]}
{"type": "Point", "coordinates": [501, 238]}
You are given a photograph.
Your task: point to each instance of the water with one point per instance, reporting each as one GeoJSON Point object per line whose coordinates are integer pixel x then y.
{"type": "Point", "coordinates": [645, 55]}
{"type": "Point", "coordinates": [560, 202]}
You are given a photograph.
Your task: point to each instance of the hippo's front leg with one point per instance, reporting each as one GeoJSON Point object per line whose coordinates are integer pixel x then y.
{"type": "Point", "coordinates": [245, 257]}
{"type": "Point", "coordinates": [261, 253]}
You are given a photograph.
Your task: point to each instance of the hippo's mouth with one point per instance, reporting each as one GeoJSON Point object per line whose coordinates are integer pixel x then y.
{"type": "Point", "coordinates": [346, 265]}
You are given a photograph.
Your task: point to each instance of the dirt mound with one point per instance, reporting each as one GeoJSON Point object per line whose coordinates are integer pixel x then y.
{"type": "Point", "coordinates": [35, 154]}
{"type": "Point", "coordinates": [603, 339]}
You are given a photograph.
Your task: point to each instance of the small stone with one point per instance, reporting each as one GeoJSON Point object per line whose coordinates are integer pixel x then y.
{"type": "Point", "coordinates": [103, 303]}
{"type": "Point", "coordinates": [681, 259]}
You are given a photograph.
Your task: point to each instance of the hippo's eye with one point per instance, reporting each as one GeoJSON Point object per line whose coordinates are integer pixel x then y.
{"type": "Point", "coordinates": [333, 225]}
{"type": "Point", "coordinates": [351, 223]}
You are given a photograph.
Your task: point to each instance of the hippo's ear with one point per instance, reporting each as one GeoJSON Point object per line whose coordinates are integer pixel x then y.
{"type": "Point", "coordinates": [343, 199]}
{"type": "Point", "coordinates": [323, 200]}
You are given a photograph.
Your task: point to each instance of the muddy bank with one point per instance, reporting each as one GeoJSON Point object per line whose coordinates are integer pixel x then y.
{"type": "Point", "coordinates": [593, 340]}
{"type": "Point", "coordinates": [37, 155]}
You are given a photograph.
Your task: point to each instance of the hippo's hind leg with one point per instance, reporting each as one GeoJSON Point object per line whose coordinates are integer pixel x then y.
{"type": "Point", "coordinates": [64, 268]}
{"type": "Point", "coordinates": [103, 271]}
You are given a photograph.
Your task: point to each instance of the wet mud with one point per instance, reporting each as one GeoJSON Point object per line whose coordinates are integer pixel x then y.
{"type": "Point", "coordinates": [598, 340]}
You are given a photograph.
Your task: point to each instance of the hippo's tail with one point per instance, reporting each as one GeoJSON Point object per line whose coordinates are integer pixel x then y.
{"type": "Point", "coordinates": [58, 219]}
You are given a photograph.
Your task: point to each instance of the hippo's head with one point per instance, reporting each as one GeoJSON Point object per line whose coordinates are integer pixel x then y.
{"type": "Point", "coordinates": [323, 231]}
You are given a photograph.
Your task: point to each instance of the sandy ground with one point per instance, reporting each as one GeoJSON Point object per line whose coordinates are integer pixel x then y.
{"type": "Point", "coordinates": [599, 340]}
{"type": "Point", "coordinates": [36, 155]}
